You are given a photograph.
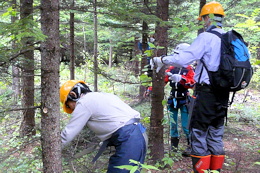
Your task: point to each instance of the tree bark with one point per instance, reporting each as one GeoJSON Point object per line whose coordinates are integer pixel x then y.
{"type": "Point", "coordinates": [144, 57]}
{"type": "Point", "coordinates": [95, 47]}
{"type": "Point", "coordinates": [110, 54]}
{"type": "Point", "coordinates": [72, 45]}
{"type": "Point", "coordinates": [27, 127]}
{"type": "Point", "coordinates": [156, 127]}
{"type": "Point", "coordinates": [50, 105]}
{"type": "Point", "coordinates": [15, 70]}
{"type": "Point", "coordinates": [202, 3]}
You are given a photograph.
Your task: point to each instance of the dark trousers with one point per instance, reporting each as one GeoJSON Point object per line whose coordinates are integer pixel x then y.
{"type": "Point", "coordinates": [207, 122]}
{"type": "Point", "coordinates": [130, 144]}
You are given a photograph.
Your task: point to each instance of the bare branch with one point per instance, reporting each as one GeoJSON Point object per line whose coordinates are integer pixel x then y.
{"type": "Point", "coordinates": [19, 109]}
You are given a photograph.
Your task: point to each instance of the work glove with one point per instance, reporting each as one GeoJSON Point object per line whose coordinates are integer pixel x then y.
{"type": "Point", "coordinates": [175, 77]}
{"type": "Point", "coordinates": [156, 62]}
{"type": "Point", "coordinates": [169, 74]}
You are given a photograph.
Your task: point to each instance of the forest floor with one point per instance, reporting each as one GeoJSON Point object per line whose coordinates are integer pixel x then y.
{"type": "Point", "coordinates": [242, 146]}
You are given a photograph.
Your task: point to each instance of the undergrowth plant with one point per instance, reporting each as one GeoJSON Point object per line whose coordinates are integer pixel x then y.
{"type": "Point", "coordinates": [143, 168]}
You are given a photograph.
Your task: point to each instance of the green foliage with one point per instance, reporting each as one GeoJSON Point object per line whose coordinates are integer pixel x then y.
{"type": "Point", "coordinates": [167, 161]}
{"type": "Point", "coordinates": [138, 166]}
{"type": "Point", "coordinates": [18, 154]}
{"type": "Point", "coordinates": [243, 112]}
{"type": "Point", "coordinates": [145, 80]}
{"type": "Point", "coordinates": [20, 29]}
{"type": "Point", "coordinates": [257, 163]}
{"type": "Point", "coordinates": [250, 28]}
{"type": "Point", "coordinates": [10, 12]}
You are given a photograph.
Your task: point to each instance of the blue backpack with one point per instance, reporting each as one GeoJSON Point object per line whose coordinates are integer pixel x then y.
{"type": "Point", "coordinates": [235, 70]}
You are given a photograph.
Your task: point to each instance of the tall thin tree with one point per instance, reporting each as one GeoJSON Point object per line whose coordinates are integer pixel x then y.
{"type": "Point", "coordinates": [95, 47]}
{"type": "Point", "coordinates": [28, 123]}
{"type": "Point", "coordinates": [202, 3]}
{"type": "Point", "coordinates": [15, 70]}
{"type": "Point", "coordinates": [156, 127]}
{"type": "Point", "coordinates": [72, 43]}
{"type": "Point", "coordinates": [50, 106]}
{"type": "Point", "coordinates": [144, 48]}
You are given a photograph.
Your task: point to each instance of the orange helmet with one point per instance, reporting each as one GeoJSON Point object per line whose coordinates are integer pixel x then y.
{"type": "Point", "coordinates": [64, 92]}
{"type": "Point", "coordinates": [212, 8]}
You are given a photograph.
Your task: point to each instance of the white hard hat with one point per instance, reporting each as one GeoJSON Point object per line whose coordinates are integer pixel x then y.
{"type": "Point", "coordinates": [181, 46]}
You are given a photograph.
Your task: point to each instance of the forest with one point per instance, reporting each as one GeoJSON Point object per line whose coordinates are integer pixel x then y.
{"type": "Point", "coordinates": [106, 43]}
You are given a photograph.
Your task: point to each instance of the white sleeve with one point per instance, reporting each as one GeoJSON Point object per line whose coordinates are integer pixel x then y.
{"type": "Point", "coordinates": [186, 57]}
{"type": "Point", "coordinates": [80, 117]}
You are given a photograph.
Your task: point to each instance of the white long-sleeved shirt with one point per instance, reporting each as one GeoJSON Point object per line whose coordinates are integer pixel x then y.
{"type": "Point", "coordinates": [103, 113]}
{"type": "Point", "coordinates": [207, 47]}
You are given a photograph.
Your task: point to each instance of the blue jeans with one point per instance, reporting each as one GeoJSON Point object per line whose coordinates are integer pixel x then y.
{"type": "Point", "coordinates": [174, 120]}
{"type": "Point", "coordinates": [130, 144]}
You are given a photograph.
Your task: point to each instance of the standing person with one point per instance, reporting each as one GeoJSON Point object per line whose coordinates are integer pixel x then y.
{"type": "Point", "coordinates": [210, 109]}
{"type": "Point", "coordinates": [113, 121]}
{"type": "Point", "coordinates": [180, 79]}
{"type": "Point", "coordinates": [147, 92]}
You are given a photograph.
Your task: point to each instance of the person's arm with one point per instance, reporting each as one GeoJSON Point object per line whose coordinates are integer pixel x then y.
{"type": "Point", "coordinates": [80, 117]}
{"type": "Point", "coordinates": [185, 57]}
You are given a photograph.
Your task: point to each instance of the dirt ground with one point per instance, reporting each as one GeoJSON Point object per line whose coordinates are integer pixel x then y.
{"type": "Point", "coordinates": [242, 146]}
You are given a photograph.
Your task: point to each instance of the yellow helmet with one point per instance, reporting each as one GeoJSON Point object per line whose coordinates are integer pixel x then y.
{"type": "Point", "coordinates": [64, 92]}
{"type": "Point", "coordinates": [212, 8]}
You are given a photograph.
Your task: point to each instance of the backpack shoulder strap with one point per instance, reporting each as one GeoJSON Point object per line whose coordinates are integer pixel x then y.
{"type": "Point", "coordinates": [216, 33]}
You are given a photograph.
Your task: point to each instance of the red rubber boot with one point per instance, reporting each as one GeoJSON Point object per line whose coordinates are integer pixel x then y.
{"type": "Point", "coordinates": [200, 163]}
{"type": "Point", "coordinates": [216, 162]}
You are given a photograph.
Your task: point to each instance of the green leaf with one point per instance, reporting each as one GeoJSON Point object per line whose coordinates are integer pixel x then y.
{"type": "Point", "coordinates": [175, 30]}
{"type": "Point", "coordinates": [257, 163]}
{"type": "Point", "coordinates": [185, 29]}
{"type": "Point", "coordinates": [149, 167]}
{"type": "Point", "coordinates": [134, 161]}
{"type": "Point", "coordinates": [160, 47]}
{"type": "Point", "coordinates": [164, 102]}
{"type": "Point", "coordinates": [149, 52]}
{"type": "Point", "coordinates": [242, 15]}
{"type": "Point", "coordinates": [151, 45]}
{"type": "Point", "coordinates": [134, 169]}
{"type": "Point", "coordinates": [127, 167]}
{"type": "Point", "coordinates": [211, 16]}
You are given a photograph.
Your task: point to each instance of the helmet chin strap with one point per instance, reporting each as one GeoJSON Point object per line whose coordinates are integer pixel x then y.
{"type": "Point", "coordinates": [75, 96]}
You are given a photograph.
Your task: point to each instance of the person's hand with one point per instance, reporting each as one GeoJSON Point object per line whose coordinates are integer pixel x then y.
{"type": "Point", "coordinates": [175, 77]}
{"type": "Point", "coordinates": [156, 62]}
{"type": "Point", "coordinates": [169, 74]}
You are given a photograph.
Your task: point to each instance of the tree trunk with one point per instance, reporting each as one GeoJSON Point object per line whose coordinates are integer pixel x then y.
{"type": "Point", "coordinates": [16, 84]}
{"type": "Point", "coordinates": [72, 47]}
{"type": "Point", "coordinates": [135, 62]}
{"type": "Point", "coordinates": [27, 127]}
{"type": "Point", "coordinates": [144, 57]}
{"type": "Point", "coordinates": [156, 127]}
{"type": "Point", "coordinates": [95, 47]}
{"type": "Point", "coordinates": [202, 3]}
{"type": "Point", "coordinates": [50, 105]}
{"type": "Point", "coordinates": [110, 54]}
